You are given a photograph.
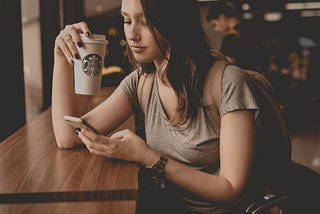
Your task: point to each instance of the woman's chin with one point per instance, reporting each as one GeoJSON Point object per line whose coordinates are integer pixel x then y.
{"type": "Point", "coordinates": [143, 60]}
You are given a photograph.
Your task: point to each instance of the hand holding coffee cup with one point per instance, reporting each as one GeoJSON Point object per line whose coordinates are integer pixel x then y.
{"type": "Point", "coordinates": [74, 43]}
{"type": "Point", "coordinates": [88, 69]}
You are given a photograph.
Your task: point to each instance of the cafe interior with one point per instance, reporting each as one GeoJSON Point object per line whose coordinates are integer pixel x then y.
{"type": "Point", "coordinates": [38, 177]}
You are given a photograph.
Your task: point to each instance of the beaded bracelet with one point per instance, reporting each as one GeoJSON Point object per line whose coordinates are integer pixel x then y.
{"type": "Point", "coordinates": [159, 166]}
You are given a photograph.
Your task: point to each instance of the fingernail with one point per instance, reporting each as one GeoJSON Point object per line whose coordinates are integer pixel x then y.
{"type": "Point", "coordinates": [79, 44]}
{"type": "Point", "coordinates": [78, 130]}
{"type": "Point", "coordinates": [76, 56]}
{"type": "Point", "coordinates": [87, 34]}
{"type": "Point", "coordinates": [71, 62]}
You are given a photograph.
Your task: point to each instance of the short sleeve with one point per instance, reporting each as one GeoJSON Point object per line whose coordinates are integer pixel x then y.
{"type": "Point", "coordinates": [237, 93]}
{"type": "Point", "coordinates": [129, 86]}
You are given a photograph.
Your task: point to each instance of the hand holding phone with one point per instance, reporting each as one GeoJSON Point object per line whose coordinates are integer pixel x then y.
{"type": "Point", "coordinates": [78, 122]}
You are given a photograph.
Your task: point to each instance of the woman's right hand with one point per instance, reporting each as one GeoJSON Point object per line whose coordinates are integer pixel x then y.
{"type": "Point", "coordinates": [68, 38]}
{"type": "Point", "coordinates": [64, 100]}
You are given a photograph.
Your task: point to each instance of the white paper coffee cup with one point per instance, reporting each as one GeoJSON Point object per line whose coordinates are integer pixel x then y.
{"type": "Point", "coordinates": [88, 70]}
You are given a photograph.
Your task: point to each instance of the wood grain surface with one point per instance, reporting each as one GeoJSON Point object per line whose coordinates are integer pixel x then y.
{"type": "Point", "coordinates": [109, 207]}
{"type": "Point", "coordinates": [33, 169]}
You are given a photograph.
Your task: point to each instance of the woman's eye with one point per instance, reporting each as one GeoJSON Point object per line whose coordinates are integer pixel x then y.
{"type": "Point", "coordinates": [126, 22]}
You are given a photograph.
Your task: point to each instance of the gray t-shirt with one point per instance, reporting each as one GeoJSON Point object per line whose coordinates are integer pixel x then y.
{"type": "Point", "coordinates": [197, 145]}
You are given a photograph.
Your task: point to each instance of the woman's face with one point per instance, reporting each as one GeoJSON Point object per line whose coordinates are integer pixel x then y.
{"type": "Point", "coordinates": [140, 39]}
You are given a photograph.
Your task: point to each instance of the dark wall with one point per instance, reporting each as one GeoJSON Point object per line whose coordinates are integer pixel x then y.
{"type": "Point", "coordinates": [49, 21]}
{"type": "Point", "coordinates": [73, 11]}
{"type": "Point", "coordinates": [12, 107]}
{"type": "Point", "coordinates": [50, 28]}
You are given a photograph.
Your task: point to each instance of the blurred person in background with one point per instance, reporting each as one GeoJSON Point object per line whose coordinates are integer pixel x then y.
{"type": "Point", "coordinates": [237, 45]}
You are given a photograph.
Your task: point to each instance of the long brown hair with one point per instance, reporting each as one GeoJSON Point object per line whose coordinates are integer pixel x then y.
{"type": "Point", "coordinates": [190, 55]}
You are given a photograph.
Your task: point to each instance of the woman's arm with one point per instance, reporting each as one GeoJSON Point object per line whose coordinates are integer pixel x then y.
{"type": "Point", "coordinates": [63, 96]}
{"type": "Point", "coordinates": [104, 117]}
{"type": "Point", "coordinates": [111, 113]}
{"type": "Point", "coordinates": [236, 155]}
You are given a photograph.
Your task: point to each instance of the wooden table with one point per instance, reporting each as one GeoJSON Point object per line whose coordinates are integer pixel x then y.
{"type": "Point", "coordinates": [36, 176]}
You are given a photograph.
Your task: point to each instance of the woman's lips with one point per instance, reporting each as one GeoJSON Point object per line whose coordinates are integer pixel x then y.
{"type": "Point", "coordinates": [137, 49]}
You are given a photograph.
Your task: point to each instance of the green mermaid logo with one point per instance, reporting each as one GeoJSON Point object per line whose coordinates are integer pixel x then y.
{"type": "Point", "coordinates": [91, 64]}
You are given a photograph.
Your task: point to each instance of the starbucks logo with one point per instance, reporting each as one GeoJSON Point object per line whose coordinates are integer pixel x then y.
{"type": "Point", "coordinates": [91, 64]}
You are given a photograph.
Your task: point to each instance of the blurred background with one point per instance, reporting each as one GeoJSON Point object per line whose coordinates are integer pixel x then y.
{"type": "Point", "coordinates": [286, 33]}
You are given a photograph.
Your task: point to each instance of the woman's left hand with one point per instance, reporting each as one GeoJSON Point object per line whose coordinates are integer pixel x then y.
{"type": "Point", "coordinates": [124, 145]}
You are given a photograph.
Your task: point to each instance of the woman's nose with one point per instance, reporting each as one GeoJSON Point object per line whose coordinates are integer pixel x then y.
{"type": "Point", "coordinates": [133, 33]}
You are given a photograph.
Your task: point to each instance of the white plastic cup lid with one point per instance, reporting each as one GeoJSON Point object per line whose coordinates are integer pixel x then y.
{"type": "Point", "coordinates": [94, 38]}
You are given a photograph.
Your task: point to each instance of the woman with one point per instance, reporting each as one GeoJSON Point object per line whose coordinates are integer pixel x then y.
{"type": "Point", "coordinates": [208, 168]}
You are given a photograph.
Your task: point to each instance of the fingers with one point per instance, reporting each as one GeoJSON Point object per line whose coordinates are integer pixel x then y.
{"type": "Point", "coordinates": [71, 38]}
{"type": "Point", "coordinates": [91, 144]}
{"type": "Point", "coordinates": [96, 144]}
{"type": "Point", "coordinates": [84, 28]}
{"type": "Point", "coordinates": [68, 39]}
{"type": "Point", "coordinates": [121, 134]}
{"type": "Point", "coordinates": [89, 134]}
{"type": "Point", "coordinates": [65, 50]}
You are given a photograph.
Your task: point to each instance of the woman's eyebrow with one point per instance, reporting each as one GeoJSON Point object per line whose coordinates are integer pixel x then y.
{"type": "Point", "coordinates": [138, 15]}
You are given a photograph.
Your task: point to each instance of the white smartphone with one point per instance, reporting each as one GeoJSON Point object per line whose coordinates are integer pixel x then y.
{"type": "Point", "coordinates": [78, 122]}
